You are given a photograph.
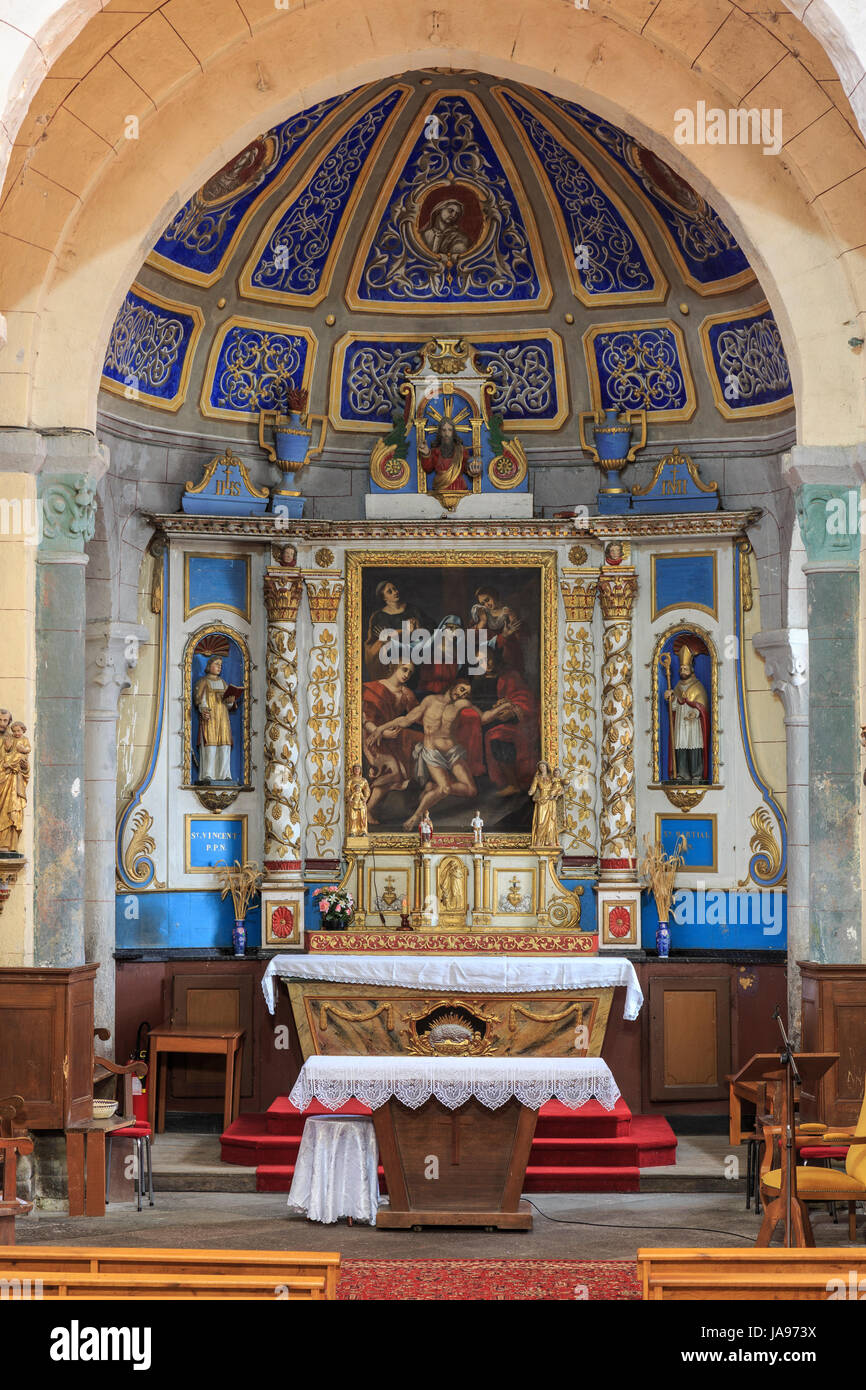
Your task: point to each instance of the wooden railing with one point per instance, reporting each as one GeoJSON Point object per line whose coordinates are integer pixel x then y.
{"type": "Point", "coordinates": [751, 1274]}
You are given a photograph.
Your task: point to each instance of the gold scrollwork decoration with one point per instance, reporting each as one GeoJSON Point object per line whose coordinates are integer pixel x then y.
{"type": "Point", "coordinates": [747, 597]}
{"type": "Point", "coordinates": [766, 851]}
{"type": "Point", "coordinates": [346, 1017]}
{"type": "Point", "coordinates": [580, 1009]}
{"type": "Point", "coordinates": [141, 843]}
{"type": "Point", "coordinates": [386, 470]}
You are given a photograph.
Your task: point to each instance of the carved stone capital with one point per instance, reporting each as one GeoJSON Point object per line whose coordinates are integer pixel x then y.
{"type": "Point", "coordinates": [324, 596]}
{"type": "Point", "coordinates": [110, 654]}
{"type": "Point", "coordinates": [785, 652]}
{"type": "Point", "coordinates": [283, 597]}
{"type": "Point", "coordinates": [617, 590]}
{"type": "Point", "coordinates": [68, 506]}
{"type": "Point", "coordinates": [578, 596]}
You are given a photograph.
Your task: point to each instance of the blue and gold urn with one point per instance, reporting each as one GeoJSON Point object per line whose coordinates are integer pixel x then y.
{"type": "Point", "coordinates": [612, 448]}
{"type": "Point", "coordinates": [292, 448]}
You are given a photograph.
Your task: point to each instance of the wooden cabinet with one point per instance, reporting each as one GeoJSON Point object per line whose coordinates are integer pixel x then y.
{"type": "Point", "coordinates": [207, 1000]}
{"type": "Point", "coordinates": [46, 1043]}
{"type": "Point", "coordinates": [834, 1020]}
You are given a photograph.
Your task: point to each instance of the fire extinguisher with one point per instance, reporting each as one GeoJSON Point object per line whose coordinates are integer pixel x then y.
{"type": "Point", "coordinates": [139, 1084]}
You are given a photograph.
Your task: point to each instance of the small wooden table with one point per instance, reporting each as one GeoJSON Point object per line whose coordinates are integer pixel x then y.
{"type": "Point", "coordinates": [214, 1041]}
{"type": "Point", "coordinates": [85, 1163]}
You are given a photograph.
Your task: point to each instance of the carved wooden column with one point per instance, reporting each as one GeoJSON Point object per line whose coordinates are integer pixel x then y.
{"type": "Point", "coordinates": [282, 887]}
{"type": "Point", "coordinates": [618, 889]}
{"type": "Point", "coordinates": [579, 768]}
{"type": "Point", "coordinates": [324, 756]}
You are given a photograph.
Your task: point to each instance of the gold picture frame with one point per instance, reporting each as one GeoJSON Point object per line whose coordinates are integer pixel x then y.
{"type": "Point", "coordinates": [681, 603]}
{"type": "Point", "coordinates": [189, 610]}
{"type": "Point", "coordinates": [211, 869]}
{"type": "Point", "coordinates": [545, 562]}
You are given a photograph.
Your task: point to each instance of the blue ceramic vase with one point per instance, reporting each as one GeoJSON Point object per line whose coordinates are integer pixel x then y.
{"type": "Point", "coordinates": [663, 940]}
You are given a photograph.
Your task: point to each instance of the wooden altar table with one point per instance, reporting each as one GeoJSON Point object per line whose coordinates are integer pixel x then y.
{"type": "Point", "coordinates": [454, 1134]}
{"type": "Point", "coordinates": [464, 1005]}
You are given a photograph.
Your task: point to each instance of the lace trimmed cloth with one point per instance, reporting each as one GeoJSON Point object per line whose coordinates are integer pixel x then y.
{"type": "Point", "coordinates": [473, 974]}
{"type": "Point", "coordinates": [333, 1081]}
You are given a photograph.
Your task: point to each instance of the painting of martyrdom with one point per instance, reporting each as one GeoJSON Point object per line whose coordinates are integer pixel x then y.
{"type": "Point", "coordinates": [451, 695]}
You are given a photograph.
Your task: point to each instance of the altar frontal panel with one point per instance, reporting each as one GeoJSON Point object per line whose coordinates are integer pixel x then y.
{"type": "Point", "coordinates": [481, 626]}
{"type": "Point", "coordinates": [357, 1020]}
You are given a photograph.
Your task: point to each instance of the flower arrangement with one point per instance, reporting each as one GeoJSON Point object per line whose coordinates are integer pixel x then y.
{"type": "Point", "coordinates": [337, 908]}
{"type": "Point", "coordinates": [660, 869]}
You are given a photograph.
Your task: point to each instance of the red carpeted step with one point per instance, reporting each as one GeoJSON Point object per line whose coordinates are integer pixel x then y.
{"type": "Point", "coordinates": [550, 1179]}
{"type": "Point", "coordinates": [591, 1119]}
{"type": "Point", "coordinates": [285, 1118]}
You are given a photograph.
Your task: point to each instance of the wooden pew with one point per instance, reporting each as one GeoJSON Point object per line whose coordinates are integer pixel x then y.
{"type": "Point", "coordinates": [275, 1267]}
{"type": "Point", "coordinates": [743, 1275]}
{"type": "Point", "coordinates": [73, 1284]}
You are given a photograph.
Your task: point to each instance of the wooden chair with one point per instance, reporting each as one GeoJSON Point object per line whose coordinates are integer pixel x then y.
{"type": "Point", "coordinates": [85, 1141]}
{"type": "Point", "coordinates": [820, 1184]}
{"type": "Point", "coordinates": [11, 1145]}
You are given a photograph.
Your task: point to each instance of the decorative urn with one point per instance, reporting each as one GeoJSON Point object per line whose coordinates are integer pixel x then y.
{"type": "Point", "coordinates": [612, 448]}
{"type": "Point", "coordinates": [292, 448]}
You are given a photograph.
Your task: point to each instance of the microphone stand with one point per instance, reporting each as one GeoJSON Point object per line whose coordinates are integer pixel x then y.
{"type": "Point", "coordinates": [792, 1079]}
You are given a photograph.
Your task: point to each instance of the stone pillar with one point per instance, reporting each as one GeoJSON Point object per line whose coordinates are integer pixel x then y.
{"type": "Point", "coordinates": [324, 758]}
{"type": "Point", "coordinates": [829, 523]}
{"type": "Point", "coordinates": [68, 517]}
{"type": "Point", "coordinates": [282, 886]}
{"type": "Point", "coordinates": [578, 720]}
{"type": "Point", "coordinates": [786, 658]}
{"type": "Point", "coordinates": [19, 537]}
{"type": "Point", "coordinates": [618, 889]}
{"type": "Point", "coordinates": [111, 652]}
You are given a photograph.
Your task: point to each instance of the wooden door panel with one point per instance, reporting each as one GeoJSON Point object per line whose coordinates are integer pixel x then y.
{"type": "Point", "coordinates": [689, 1038]}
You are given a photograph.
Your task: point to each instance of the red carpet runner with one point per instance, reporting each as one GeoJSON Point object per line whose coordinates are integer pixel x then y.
{"type": "Point", "coordinates": [586, 1150]}
{"type": "Point", "coordinates": [501, 1280]}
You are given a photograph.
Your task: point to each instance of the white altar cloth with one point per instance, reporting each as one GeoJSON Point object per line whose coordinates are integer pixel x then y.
{"type": "Point", "coordinates": [337, 1170]}
{"type": "Point", "coordinates": [474, 974]}
{"type": "Point", "coordinates": [333, 1081]}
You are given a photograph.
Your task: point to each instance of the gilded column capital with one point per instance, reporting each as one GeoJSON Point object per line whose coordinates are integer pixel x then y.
{"type": "Point", "coordinates": [282, 597]}
{"type": "Point", "coordinates": [324, 593]}
{"type": "Point", "coordinates": [617, 590]}
{"type": "Point", "coordinates": [578, 597]}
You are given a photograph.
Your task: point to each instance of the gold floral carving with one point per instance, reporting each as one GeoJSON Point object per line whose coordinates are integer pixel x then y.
{"type": "Point", "coordinates": [282, 790]}
{"type": "Point", "coordinates": [450, 943]}
{"type": "Point", "coordinates": [141, 843]}
{"type": "Point", "coordinates": [578, 596]}
{"type": "Point", "coordinates": [578, 555]}
{"type": "Point", "coordinates": [478, 1027]}
{"type": "Point", "coordinates": [282, 598]}
{"type": "Point", "coordinates": [578, 728]}
{"type": "Point", "coordinates": [617, 592]}
{"type": "Point", "coordinates": [324, 557]}
{"type": "Point", "coordinates": [324, 596]}
{"type": "Point", "coordinates": [766, 849]}
{"type": "Point", "coordinates": [617, 821]}
{"type": "Point", "coordinates": [324, 729]}
{"type": "Point", "coordinates": [685, 798]}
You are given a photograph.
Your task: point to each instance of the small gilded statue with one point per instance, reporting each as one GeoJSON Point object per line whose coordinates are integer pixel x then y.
{"type": "Point", "coordinates": [214, 699]}
{"type": "Point", "coordinates": [357, 795]}
{"type": "Point", "coordinates": [14, 776]}
{"type": "Point", "coordinates": [477, 829]}
{"type": "Point", "coordinates": [425, 830]}
{"type": "Point", "coordinates": [547, 791]}
{"type": "Point", "coordinates": [689, 747]}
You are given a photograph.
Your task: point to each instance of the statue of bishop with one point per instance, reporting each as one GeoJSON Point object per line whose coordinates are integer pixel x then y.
{"type": "Point", "coordinates": [689, 760]}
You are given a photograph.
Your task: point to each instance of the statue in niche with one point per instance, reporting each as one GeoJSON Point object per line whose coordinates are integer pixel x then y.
{"type": "Point", "coordinates": [214, 698]}
{"type": "Point", "coordinates": [689, 712]}
{"type": "Point", "coordinates": [447, 461]}
{"type": "Point", "coordinates": [357, 795]}
{"type": "Point", "coordinates": [547, 791]}
{"type": "Point", "coordinates": [14, 776]}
